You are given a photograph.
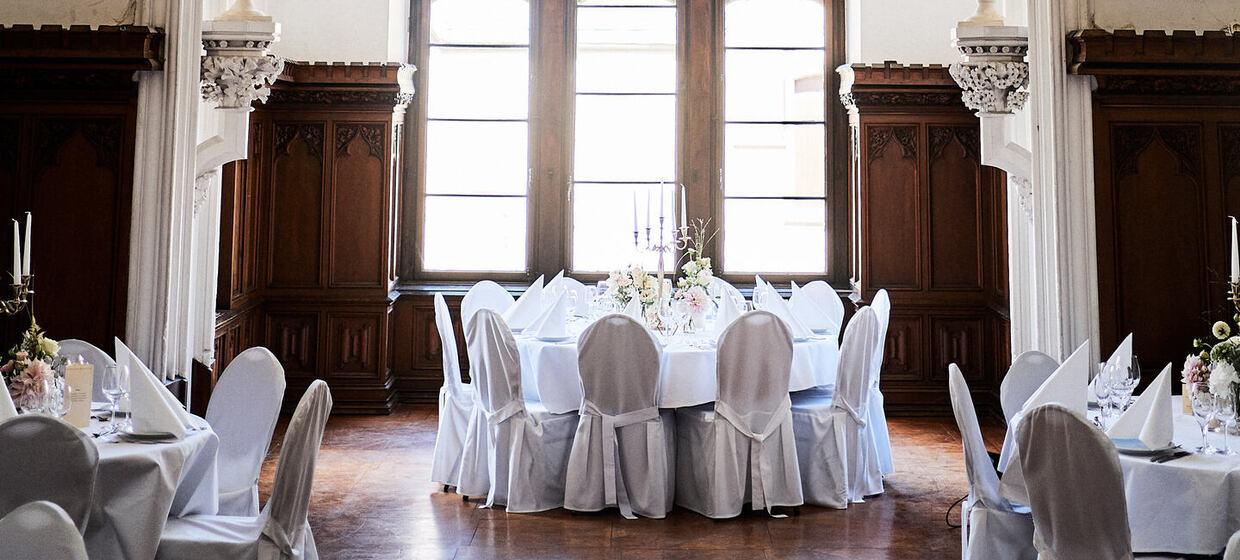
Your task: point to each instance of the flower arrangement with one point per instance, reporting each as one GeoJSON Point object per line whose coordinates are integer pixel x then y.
{"type": "Point", "coordinates": [693, 287]}
{"type": "Point", "coordinates": [34, 362]}
{"type": "Point", "coordinates": [633, 282]}
{"type": "Point", "coordinates": [1216, 361]}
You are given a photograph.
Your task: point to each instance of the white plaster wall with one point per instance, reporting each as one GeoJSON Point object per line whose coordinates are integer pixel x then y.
{"type": "Point", "coordinates": [1200, 15]}
{"type": "Point", "coordinates": [334, 31]}
{"type": "Point", "coordinates": [906, 31]}
{"type": "Point", "coordinates": [65, 12]}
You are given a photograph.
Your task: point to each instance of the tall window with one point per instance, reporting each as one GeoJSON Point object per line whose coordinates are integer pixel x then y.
{"type": "Point", "coordinates": [477, 130]}
{"type": "Point", "coordinates": [624, 157]}
{"type": "Point", "coordinates": [774, 133]}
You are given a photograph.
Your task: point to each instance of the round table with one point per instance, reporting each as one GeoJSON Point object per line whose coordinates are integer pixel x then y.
{"type": "Point", "coordinates": [686, 376]}
{"type": "Point", "coordinates": [139, 486]}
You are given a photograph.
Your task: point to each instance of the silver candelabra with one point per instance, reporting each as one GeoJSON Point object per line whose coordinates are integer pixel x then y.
{"type": "Point", "coordinates": [22, 293]}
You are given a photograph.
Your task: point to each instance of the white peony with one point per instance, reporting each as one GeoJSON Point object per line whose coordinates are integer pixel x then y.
{"type": "Point", "coordinates": [1223, 377]}
{"type": "Point", "coordinates": [49, 347]}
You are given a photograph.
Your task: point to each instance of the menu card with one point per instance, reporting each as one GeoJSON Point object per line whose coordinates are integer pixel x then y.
{"type": "Point", "coordinates": [80, 378]}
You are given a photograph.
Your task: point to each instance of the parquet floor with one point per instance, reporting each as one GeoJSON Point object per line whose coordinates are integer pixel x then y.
{"type": "Point", "coordinates": [373, 499]}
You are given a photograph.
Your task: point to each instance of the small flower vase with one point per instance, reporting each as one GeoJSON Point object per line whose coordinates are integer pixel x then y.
{"type": "Point", "coordinates": [697, 320]}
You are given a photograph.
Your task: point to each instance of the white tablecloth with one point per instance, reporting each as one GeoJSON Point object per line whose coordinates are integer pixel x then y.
{"type": "Point", "coordinates": [140, 485]}
{"type": "Point", "coordinates": [686, 378]}
{"type": "Point", "coordinates": [1186, 506]}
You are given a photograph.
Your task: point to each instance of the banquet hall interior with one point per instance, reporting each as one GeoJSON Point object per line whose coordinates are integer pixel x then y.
{"type": "Point", "coordinates": [550, 279]}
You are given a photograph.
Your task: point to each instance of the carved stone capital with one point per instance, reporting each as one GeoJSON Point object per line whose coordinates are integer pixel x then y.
{"type": "Point", "coordinates": [236, 81]}
{"type": "Point", "coordinates": [994, 74]}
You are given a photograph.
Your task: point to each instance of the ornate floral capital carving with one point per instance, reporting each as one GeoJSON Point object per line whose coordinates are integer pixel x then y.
{"type": "Point", "coordinates": [994, 74]}
{"type": "Point", "coordinates": [236, 81]}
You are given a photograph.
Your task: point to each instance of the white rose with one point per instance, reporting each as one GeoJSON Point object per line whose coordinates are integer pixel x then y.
{"type": "Point", "coordinates": [1222, 377]}
{"type": "Point", "coordinates": [704, 275]}
{"type": "Point", "coordinates": [49, 347]}
{"type": "Point", "coordinates": [691, 268]}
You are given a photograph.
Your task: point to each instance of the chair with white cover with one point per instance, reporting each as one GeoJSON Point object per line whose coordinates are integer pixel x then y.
{"type": "Point", "coordinates": [54, 461]}
{"type": "Point", "coordinates": [722, 287]}
{"type": "Point", "coordinates": [826, 297]}
{"type": "Point", "coordinates": [742, 449]}
{"type": "Point", "coordinates": [877, 414]}
{"type": "Point", "coordinates": [243, 410]}
{"type": "Point", "coordinates": [623, 453]}
{"type": "Point", "coordinates": [485, 295]}
{"type": "Point", "coordinates": [991, 527]}
{"type": "Point", "coordinates": [1233, 547]}
{"type": "Point", "coordinates": [514, 455]}
{"type": "Point", "coordinates": [456, 403]}
{"type": "Point", "coordinates": [1075, 486]}
{"type": "Point", "coordinates": [73, 348]}
{"type": "Point", "coordinates": [1028, 372]}
{"type": "Point", "coordinates": [838, 460]}
{"type": "Point", "coordinates": [282, 530]}
{"type": "Point", "coordinates": [40, 531]}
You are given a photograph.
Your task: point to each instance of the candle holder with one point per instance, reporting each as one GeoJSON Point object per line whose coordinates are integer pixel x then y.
{"type": "Point", "coordinates": [22, 293]}
{"type": "Point", "coordinates": [662, 246]}
{"type": "Point", "coordinates": [1233, 294]}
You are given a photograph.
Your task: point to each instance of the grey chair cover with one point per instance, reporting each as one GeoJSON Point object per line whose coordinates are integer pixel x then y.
{"type": "Point", "coordinates": [243, 410]}
{"type": "Point", "coordinates": [40, 531]}
{"type": "Point", "coordinates": [1075, 487]}
{"type": "Point", "coordinates": [72, 348]}
{"type": "Point", "coordinates": [620, 456]}
{"type": "Point", "coordinates": [515, 457]}
{"type": "Point", "coordinates": [991, 526]}
{"type": "Point", "coordinates": [742, 450]}
{"type": "Point", "coordinates": [282, 530]}
{"type": "Point", "coordinates": [456, 403]}
{"type": "Point", "coordinates": [42, 458]}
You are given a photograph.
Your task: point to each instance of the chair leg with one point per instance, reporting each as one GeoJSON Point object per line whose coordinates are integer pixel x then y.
{"type": "Point", "coordinates": [446, 488]}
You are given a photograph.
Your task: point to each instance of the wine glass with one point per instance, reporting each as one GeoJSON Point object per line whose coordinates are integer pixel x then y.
{"type": "Point", "coordinates": [1225, 412]}
{"type": "Point", "coordinates": [55, 391]}
{"type": "Point", "coordinates": [1203, 410]}
{"type": "Point", "coordinates": [759, 297]}
{"type": "Point", "coordinates": [1126, 382]}
{"type": "Point", "coordinates": [115, 388]}
{"type": "Point", "coordinates": [1102, 391]}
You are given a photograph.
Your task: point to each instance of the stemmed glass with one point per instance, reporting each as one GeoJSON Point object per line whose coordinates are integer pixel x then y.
{"type": "Point", "coordinates": [759, 298]}
{"type": "Point", "coordinates": [1225, 412]}
{"type": "Point", "coordinates": [1102, 390]}
{"type": "Point", "coordinates": [1125, 382]}
{"type": "Point", "coordinates": [116, 387]}
{"type": "Point", "coordinates": [1203, 404]}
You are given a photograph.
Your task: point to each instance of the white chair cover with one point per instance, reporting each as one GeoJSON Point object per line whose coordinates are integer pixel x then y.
{"type": "Point", "coordinates": [620, 455]}
{"type": "Point", "coordinates": [878, 416]}
{"type": "Point", "coordinates": [1028, 372]}
{"type": "Point", "coordinates": [42, 458]}
{"type": "Point", "coordinates": [72, 348]}
{"type": "Point", "coordinates": [723, 287]}
{"type": "Point", "coordinates": [1075, 485]}
{"type": "Point", "coordinates": [826, 297]}
{"type": "Point", "coordinates": [40, 531]}
{"type": "Point", "coordinates": [991, 526]}
{"type": "Point", "coordinates": [456, 403]}
{"type": "Point", "coordinates": [244, 407]}
{"type": "Point", "coordinates": [485, 295]}
{"type": "Point", "coordinates": [742, 450]}
{"type": "Point", "coordinates": [1233, 548]}
{"type": "Point", "coordinates": [838, 460]}
{"type": "Point", "coordinates": [282, 530]}
{"type": "Point", "coordinates": [514, 456]}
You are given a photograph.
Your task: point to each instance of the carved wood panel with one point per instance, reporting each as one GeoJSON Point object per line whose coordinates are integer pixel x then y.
{"type": "Point", "coordinates": [293, 337]}
{"type": "Point", "coordinates": [955, 204]}
{"type": "Point", "coordinates": [296, 205]}
{"type": "Point", "coordinates": [355, 341]}
{"type": "Point", "coordinates": [958, 340]}
{"type": "Point", "coordinates": [892, 203]}
{"type": "Point", "coordinates": [359, 209]}
{"type": "Point", "coordinates": [902, 356]}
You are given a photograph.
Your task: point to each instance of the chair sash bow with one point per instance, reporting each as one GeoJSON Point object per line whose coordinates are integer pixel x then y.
{"type": "Point", "coordinates": [613, 481]}
{"type": "Point", "coordinates": [760, 469]}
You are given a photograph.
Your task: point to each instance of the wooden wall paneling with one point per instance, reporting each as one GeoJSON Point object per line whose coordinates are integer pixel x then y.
{"type": "Point", "coordinates": [359, 209]}
{"type": "Point", "coordinates": [955, 207]}
{"type": "Point", "coordinates": [891, 206]}
{"type": "Point", "coordinates": [416, 347]}
{"type": "Point", "coordinates": [296, 195]}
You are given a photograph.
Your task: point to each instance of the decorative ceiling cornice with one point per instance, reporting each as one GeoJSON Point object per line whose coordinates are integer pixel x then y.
{"type": "Point", "coordinates": [376, 84]}
{"type": "Point", "coordinates": [1154, 62]}
{"type": "Point", "coordinates": [121, 48]}
{"type": "Point", "coordinates": [890, 85]}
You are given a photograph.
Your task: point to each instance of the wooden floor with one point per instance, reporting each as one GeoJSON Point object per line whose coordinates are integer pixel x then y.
{"type": "Point", "coordinates": [373, 499]}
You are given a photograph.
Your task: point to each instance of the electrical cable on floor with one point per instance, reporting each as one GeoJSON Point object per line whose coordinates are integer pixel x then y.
{"type": "Point", "coordinates": [947, 516]}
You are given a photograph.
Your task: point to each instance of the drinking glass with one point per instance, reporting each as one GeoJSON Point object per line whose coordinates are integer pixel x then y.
{"type": "Point", "coordinates": [1102, 391]}
{"type": "Point", "coordinates": [1225, 412]}
{"type": "Point", "coordinates": [572, 303]}
{"type": "Point", "coordinates": [54, 390]}
{"type": "Point", "coordinates": [1203, 410]}
{"type": "Point", "coordinates": [759, 298]}
{"type": "Point", "coordinates": [1126, 382]}
{"type": "Point", "coordinates": [116, 387]}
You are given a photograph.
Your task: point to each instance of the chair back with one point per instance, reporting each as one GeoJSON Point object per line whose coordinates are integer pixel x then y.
{"type": "Point", "coordinates": [1233, 547]}
{"type": "Point", "coordinates": [93, 355]}
{"type": "Point", "coordinates": [485, 295]}
{"type": "Point", "coordinates": [52, 460]}
{"type": "Point", "coordinates": [723, 287]}
{"type": "Point", "coordinates": [856, 365]}
{"type": "Point", "coordinates": [40, 531]}
{"type": "Point", "coordinates": [827, 299]}
{"type": "Point", "coordinates": [882, 311]}
{"type": "Point", "coordinates": [1075, 485]}
{"type": "Point", "coordinates": [619, 365]}
{"type": "Point", "coordinates": [1028, 372]}
{"type": "Point", "coordinates": [495, 365]}
{"type": "Point", "coordinates": [447, 344]}
{"type": "Point", "coordinates": [243, 411]}
{"type": "Point", "coordinates": [754, 366]}
{"type": "Point", "coordinates": [983, 480]}
{"type": "Point", "coordinates": [289, 505]}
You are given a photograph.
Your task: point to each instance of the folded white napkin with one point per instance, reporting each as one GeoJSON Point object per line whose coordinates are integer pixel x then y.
{"type": "Point", "coordinates": [775, 304]}
{"type": "Point", "coordinates": [809, 312]}
{"type": "Point", "coordinates": [1149, 419]}
{"type": "Point", "coordinates": [7, 410]}
{"type": "Point", "coordinates": [634, 310]}
{"type": "Point", "coordinates": [150, 398]}
{"type": "Point", "coordinates": [551, 290]}
{"type": "Point", "coordinates": [527, 307]}
{"type": "Point", "coordinates": [728, 312]}
{"type": "Point", "coordinates": [1067, 385]}
{"type": "Point", "coordinates": [553, 324]}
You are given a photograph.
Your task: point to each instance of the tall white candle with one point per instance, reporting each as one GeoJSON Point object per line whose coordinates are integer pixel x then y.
{"type": "Point", "coordinates": [684, 208]}
{"type": "Point", "coordinates": [26, 250]}
{"type": "Point", "coordinates": [649, 212]}
{"type": "Point", "coordinates": [1235, 252]}
{"type": "Point", "coordinates": [17, 253]}
{"type": "Point", "coordinates": [662, 197]}
{"type": "Point", "coordinates": [635, 226]}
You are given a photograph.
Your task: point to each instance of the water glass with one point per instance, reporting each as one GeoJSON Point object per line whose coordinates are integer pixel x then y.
{"type": "Point", "coordinates": [1225, 413]}
{"type": "Point", "coordinates": [759, 298]}
{"type": "Point", "coordinates": [1203, 404]}
{"type": "Point", "coordinates": [116, 387]}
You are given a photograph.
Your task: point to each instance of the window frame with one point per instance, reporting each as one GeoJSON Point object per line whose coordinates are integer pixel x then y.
{"type": "Point", "coordinates": [699, 143]}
